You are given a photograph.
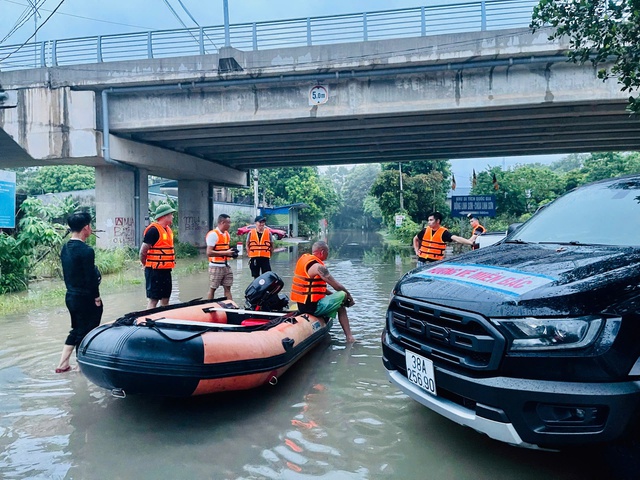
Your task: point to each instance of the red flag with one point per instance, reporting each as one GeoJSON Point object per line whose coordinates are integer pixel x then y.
{"type": "Point", "coordinates": [495, 182]}
{"type": "Point", "coordinates": [474, 180]}
{"type": "Point", "coordinates": [453, 182]}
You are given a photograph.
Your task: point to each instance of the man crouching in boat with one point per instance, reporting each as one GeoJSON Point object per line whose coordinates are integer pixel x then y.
{"type": "Point", "coordinates": [309, 288]}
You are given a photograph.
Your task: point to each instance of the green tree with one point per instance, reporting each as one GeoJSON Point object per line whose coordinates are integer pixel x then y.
{"type": "Point", "coordinates": [424, 186]}
{"type": "Point", "coordinates": [371, 208]}
{"type": "Point", "coordinates": [599, 166]}
{"type": "Point", "coordinates": [338, 176]}
{"type": "Point", "coordinates": [36, 236]}
{"type": "Point", "coordinates": [521, 190]}
{"type": "Point", "coordinates": [422, 167]}
{"type": "Point", "coordinates": [569, 163]}
{"type": "Point", "coordinates": [54, 179]}
{"type": "Point", "coordinates": [282, 186]}
{"type": "Point", "coordinates": [598, 30]}
{"type": "Point", "coordinates": [353, 186]}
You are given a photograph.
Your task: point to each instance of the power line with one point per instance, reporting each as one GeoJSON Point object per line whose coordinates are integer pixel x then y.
{"type": "Point", "coordinates": [35, 32]}
{"type": "Point", "coordinates": [188, 12]}
{"type": "Point", "coordinates": [175, 14]}
{"type": "Point", "coordinates": [29, 12]}
{"type": "Point", "coordinates": [84, 18]}
{"type": "Point", "coordinates": [194, 21]}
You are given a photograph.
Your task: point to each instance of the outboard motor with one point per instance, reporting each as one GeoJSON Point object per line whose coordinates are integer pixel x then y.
{"type": "Point", "coordinates": [263, 293]}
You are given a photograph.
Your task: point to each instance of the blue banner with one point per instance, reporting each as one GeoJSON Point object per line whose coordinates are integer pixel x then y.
{"type": "Point", "coordinates": [7, 199]}
{"type": "Point", "coordinates": [479, 205]}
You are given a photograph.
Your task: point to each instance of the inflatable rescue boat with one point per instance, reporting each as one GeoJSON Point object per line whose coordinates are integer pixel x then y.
{"type": "Point", "coordinates": [201, 347]}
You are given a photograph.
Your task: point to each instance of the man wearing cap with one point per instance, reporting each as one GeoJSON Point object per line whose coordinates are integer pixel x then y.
{"type": "Point", "coordinates": [219, 251]}
{"type": "Point", "coordinates": [476, 229]}
{"type": "Point", "coordinates": [158, 256]}
{"type": "Point", "coordinates": [259, 247]}
{"type": "Point", "coordinates": [82, 278]}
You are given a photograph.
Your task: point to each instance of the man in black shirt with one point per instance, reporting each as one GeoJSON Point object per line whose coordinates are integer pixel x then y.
{"type": "Point", "coordinates": [429, 243]}
{"type": "Point", "coordinates": [82, 278]}
{"type": "Point", "coordinates": [158, 256]}
{"type": "Point", "coordinates": [476, 229]}
{"type": "Point", "coordinates": [260, 246]}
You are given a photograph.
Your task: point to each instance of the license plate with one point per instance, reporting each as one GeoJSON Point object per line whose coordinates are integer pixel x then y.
{"type": "Point", "coordinates": [420, 371]}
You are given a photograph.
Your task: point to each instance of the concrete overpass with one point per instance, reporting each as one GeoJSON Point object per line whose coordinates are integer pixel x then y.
{"type": "Point", "coordinates": [211, 118]}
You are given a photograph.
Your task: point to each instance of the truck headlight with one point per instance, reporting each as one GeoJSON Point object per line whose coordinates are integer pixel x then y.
{"type": "Point", "coordinates": [550, 333]}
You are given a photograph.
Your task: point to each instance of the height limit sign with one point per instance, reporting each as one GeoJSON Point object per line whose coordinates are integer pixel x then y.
{"type": "Point", "coordinates": [318, 95]}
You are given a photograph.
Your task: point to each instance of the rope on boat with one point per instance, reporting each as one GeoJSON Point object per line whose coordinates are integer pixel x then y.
{"type": "Point", "coordinates": [152, 325]}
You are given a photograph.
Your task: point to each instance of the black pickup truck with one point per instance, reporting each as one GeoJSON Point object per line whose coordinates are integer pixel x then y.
{"type": "Point", "coordinates": [534, 341]}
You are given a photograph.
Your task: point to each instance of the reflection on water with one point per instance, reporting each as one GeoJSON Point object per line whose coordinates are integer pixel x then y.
{"type": "Point", "coordinates": [332, 416]}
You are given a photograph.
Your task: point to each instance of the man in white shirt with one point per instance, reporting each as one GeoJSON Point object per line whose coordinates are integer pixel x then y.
{"type": "Point", "coordinates": [219, 251]}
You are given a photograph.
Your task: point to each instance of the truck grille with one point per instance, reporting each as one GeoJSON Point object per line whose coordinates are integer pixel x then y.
{"type": "Point", "coordinates": [461, 338]}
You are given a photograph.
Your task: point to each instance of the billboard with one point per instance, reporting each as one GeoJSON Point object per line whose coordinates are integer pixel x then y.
{"type": "Point", "coordinates": [7, 199]}
{"type": "Point", "coordinates": [480, 205]}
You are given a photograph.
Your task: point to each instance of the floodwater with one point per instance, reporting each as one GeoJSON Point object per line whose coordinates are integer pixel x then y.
{"type": "Point", "coordinates": [333, 415]}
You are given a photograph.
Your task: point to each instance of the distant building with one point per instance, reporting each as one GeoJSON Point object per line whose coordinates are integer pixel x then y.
{"type": "Point", "coordinates": [284, 216]}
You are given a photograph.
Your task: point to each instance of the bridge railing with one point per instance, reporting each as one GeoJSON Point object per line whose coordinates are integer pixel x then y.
{"type": "Point", "coordinates": [409, 22]}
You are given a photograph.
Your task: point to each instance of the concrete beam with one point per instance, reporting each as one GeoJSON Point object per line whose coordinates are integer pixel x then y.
{"type": "Point", "coordinates": [51, 124]}
{"type": "Point", "coordinates": [462, 46]}
{"type": "Point", "coordinates": [174, 165]}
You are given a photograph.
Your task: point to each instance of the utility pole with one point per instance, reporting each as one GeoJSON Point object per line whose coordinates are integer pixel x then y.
{"type": "Point", "coordinates": [401, 198]}
{"type": "Point", "coordinates": [227, 34]}
{"type": "Point", "coordinates": [36, 14]}
{"type": "Point", "coordinates": [255, 191]}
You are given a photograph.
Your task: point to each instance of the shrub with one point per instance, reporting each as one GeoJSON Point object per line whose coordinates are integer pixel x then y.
{"type": "Point", "coordinates": [405, 233]}
{"type": "Point", "coordinates": [185, 250]}
{"type": "Point", "coordinates": [35, 237]}
{"type": "Point", "coordinates": [112, 261]}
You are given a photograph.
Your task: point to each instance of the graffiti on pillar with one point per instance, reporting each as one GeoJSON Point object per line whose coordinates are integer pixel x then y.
{"type": "Point", "coordinates": [191, 223]}
{"type": "Point", "coordinates": [124, 231]}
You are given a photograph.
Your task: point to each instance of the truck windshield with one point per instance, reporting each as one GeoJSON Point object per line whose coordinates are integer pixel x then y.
{"type": "Point", "coordinates": [605, 213]}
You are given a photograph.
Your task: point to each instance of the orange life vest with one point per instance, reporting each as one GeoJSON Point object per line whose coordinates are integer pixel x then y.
{"type": "Point", "coordinates": [305, 289]}
{"type": "Point", "coordinates": [259, 247]}
{"type": "Point", "coordinates": [222, 244]}
{"type": "Point", "coordinates": [475, 246]}
{"type": "Point", "coordinates": [479, 227]}
{"type": "Point", "coordinates": [161, 255]}
{"type": "Point", "coordinates": [432, 246]}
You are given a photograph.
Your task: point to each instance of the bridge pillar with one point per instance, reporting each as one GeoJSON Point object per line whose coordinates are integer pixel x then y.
{"type": "Point", "coordinates": [194, 207]}
{"type": "Point", "coordinates": [115, 207]}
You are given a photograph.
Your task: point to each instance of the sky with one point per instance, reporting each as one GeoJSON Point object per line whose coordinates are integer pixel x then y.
{"type": "Point", "coordinates": [80, 18]}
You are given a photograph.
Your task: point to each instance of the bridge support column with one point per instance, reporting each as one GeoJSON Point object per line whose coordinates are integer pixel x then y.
{"type": "Point", "coordinates": [194, 206]}
{"type": "Point", "coordinates": [115, 206]}
{"type": "Point", "coordinates": [143, 215]}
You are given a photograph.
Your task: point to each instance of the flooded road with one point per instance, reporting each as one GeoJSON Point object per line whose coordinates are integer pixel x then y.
{"type": "Point", "coordinates": [333, 415]}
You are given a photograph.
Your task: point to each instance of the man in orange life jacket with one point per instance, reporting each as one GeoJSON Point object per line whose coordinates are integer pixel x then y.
{"type": "Point", "coordinates": [429, 244]}
{"type": "Point", "coordinates": [158, 256]}
{"type": "Point", "coordinates": [309, 288]}
{"type": "Point", "coordinates": [219, 251]}
{"type": "Point", "coordinates": [476, 229]}
{"type": "Point", "coordinates": [259, 247]}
